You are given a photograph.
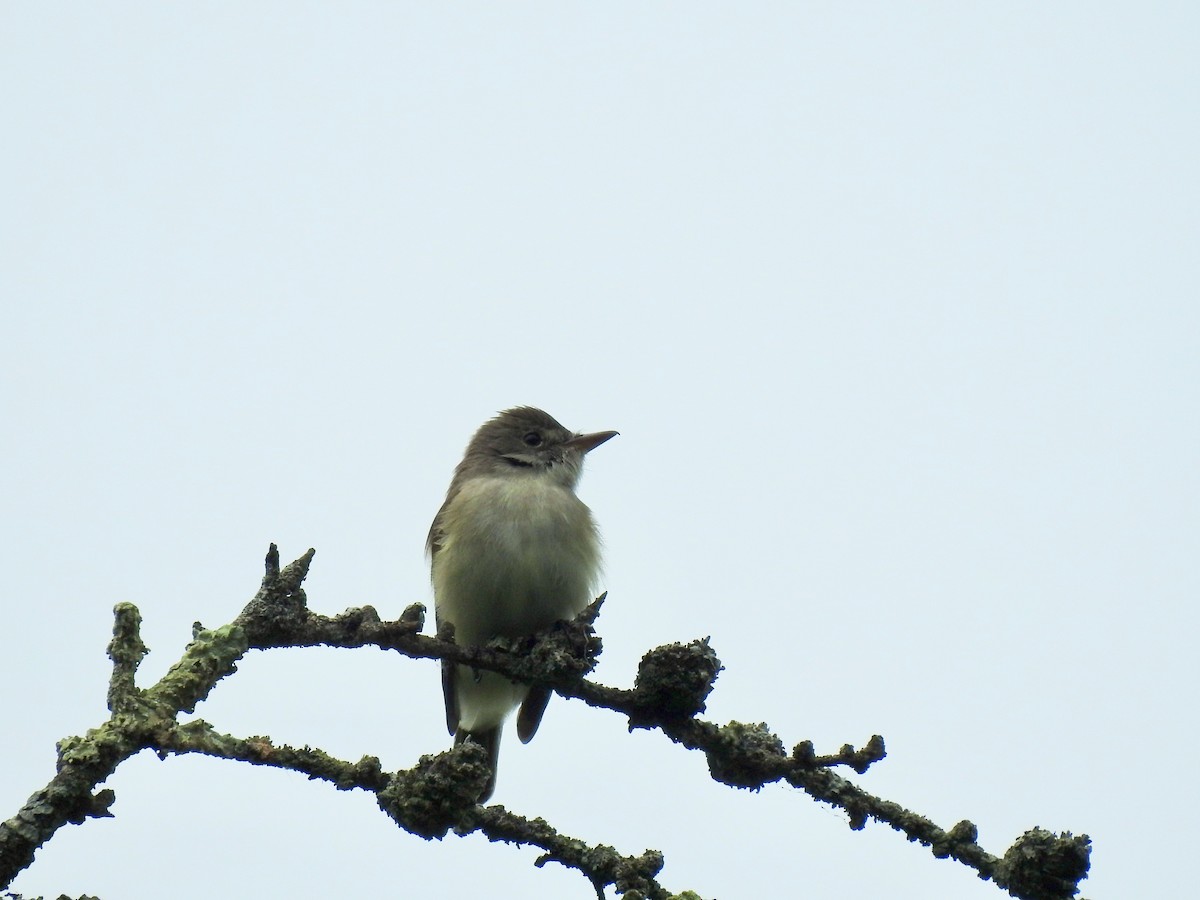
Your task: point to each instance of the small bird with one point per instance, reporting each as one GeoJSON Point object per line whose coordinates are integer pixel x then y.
{"type": "Point", "coordinates": [512, 551]}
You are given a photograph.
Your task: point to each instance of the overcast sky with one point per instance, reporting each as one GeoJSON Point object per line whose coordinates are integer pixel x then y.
{"type": "Point", "coordinates": [894, 306]}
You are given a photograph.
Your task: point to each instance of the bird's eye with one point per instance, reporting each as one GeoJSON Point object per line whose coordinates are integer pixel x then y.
{"type": "Point", "coordinates": [533, 439]}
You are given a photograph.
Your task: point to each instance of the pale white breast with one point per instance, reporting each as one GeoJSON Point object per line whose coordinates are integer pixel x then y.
{"type": "Point", "coordinates": [517, 554]}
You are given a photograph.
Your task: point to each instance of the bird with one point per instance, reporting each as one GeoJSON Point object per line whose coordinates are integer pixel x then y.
{"type": "Point", "coordinates": [512, 551]}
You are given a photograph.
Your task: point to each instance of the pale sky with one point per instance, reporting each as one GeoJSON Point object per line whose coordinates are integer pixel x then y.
{"type": "Point", "coordinates": [894, 306]}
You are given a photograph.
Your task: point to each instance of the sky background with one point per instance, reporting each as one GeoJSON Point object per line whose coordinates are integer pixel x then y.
{"type": "Point", "coordinates": [894, 305]}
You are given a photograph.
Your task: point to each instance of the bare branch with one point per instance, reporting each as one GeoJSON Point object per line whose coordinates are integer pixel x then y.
{"type": "Point", "coordinates": [437, 795]}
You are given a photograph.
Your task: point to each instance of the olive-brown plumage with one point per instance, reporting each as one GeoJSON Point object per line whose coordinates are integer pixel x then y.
{"type": "Point", "coordinates": [512, 551]}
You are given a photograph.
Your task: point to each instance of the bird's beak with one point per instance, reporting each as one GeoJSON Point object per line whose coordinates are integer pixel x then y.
{"type": "Point", "coordinates": [585, 442]}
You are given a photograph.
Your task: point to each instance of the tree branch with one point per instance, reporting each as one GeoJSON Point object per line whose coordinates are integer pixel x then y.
{"type": "Point", "coordinates": [437, 795]}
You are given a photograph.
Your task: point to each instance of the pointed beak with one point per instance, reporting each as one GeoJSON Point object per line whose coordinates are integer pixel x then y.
{"type": "Point", "coordinates": [585, 442]}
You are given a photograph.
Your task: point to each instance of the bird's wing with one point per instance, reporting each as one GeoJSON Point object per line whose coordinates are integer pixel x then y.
{"type": "Point", "coordinates": [433, 543]}
{"type": "Point", "coordinates": [451, 696]}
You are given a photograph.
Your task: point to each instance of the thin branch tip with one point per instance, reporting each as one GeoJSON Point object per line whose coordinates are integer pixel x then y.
{"type": "Point", "coordinates": [296, 571]}
{"type": "Point", "coordinates": [126, 651]}
{"type": "Point", "coordinates": [272, 561]}
{"type": "Point", "coordinates": [414, 614]}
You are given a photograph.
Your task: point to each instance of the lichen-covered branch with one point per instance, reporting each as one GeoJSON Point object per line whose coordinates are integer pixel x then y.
{"type": "Point", "coordinates": [138, 717]}
{"type": "Point", "coordinates": [430, 800]}
{"type": "Point", "coordinates": [437, 795]}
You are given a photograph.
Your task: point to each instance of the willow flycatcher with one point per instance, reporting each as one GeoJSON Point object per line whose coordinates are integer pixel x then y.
{"type": "Point", "coordinates": [512, 550]}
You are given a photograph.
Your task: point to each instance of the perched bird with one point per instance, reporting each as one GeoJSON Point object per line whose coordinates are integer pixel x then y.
{"type": "Point", "coordinates": [512, 551]}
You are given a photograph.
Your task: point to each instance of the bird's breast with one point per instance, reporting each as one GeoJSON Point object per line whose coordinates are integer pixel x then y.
{"type": "Point", "coordinates": [515, 555]}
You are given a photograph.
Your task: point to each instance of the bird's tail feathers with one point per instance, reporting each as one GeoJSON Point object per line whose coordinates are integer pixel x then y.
{"type": "Point", "coordinates": [489, 740]}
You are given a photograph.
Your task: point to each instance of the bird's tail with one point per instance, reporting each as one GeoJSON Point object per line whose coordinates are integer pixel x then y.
{"type": "Point", "coordinates": [489, 740]}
